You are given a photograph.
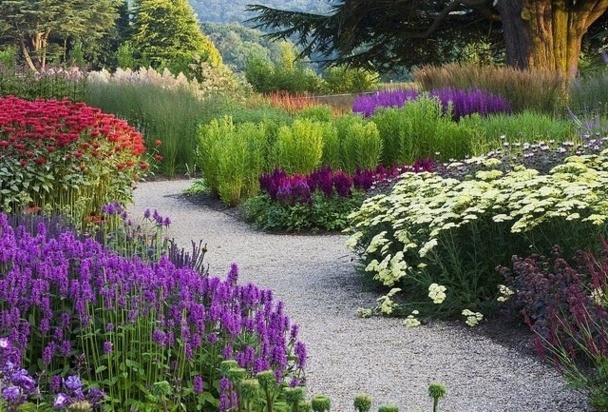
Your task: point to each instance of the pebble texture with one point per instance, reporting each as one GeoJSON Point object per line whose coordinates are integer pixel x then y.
{"type": "Point", "coordinates": [315, 277]}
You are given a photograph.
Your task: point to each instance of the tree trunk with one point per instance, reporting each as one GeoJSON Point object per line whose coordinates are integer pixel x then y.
{"type": "Point", "coordinates": [26, 54]}
{"type": "Point", "coordinates": [547, 34]}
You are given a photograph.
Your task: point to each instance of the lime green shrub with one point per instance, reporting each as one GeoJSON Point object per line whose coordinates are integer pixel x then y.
{"type": "Point", "coordinates": [299, 147]}
{"type": "Point", "coordinates": [343, 79]}
{"type": "Point", "coordinates": [420, 129]}
{"type": "Point", "coordinates": [445, 232]}
{"type": "Point", "coordinates": [360, 144]}
{"type": "Point", "coordinates": [539, 91]}
{"type": "Point", "coordinates": [231, 158]}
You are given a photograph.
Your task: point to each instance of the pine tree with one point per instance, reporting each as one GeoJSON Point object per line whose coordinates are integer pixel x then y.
{"type": "Point", "coordinates": [167, 33]}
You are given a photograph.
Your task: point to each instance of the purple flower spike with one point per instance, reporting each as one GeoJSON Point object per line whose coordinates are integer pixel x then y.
{"type": "Point", "coordinates": [197, 383]}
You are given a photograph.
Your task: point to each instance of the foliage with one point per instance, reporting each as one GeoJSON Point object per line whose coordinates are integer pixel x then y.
{"type": "Point", "coordinates": [231, 158]}
{"type": "Point", "coordinates": [358, 144]}
{"type": "Point", "coordinates": [457, 102]}
{"type": "Point", "coordinates": [8, 57]}
{"type": "Point", "coordinates": [514, 131]}
{"type": "Point", "coordinates": [321, 200]}
{"type": "Point", "coordinates": [63, 156]}
{"type": "Point", "coordinates": [52, 83]}
{"type": "Point", "coordinates": [139, 325]}
{"type": "Point", "coordinates": [43, 29]}
{"type": "Point", "coordinates": [566, 307]}
{"type": "Point", "coordinates": [287, 74]}
{"type": "Point", "coordinates": [343, 79]}
{"type": "Point", "coordinates": [421, 129]}
{"type": "Point", "coordinates": [588, 95]}
{"type": "Point", "coordinates": [393, 34]}
{"type": "Point", "coordinates": [238, 43]}
{"type": "Point", "coordinates": [538, 90]}
{"type": "Point", "coordinates": [162, 106]}
{"type": "Point", "coordinates": [414, 236]}
{"type": "Point", "coordinates": [299, 147]}
{"type": "Point", "coordinates": [321, 213]}
{"type": "Point", "coordinates": [167, 35]}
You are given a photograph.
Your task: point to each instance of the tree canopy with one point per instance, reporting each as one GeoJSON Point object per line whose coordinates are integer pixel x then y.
{"type": "Point", "coordinates": [37, 27]}
{"type": "Point", "coordinates": [385, 34]}
{"type": "Point", "coordinates": [167, 33]}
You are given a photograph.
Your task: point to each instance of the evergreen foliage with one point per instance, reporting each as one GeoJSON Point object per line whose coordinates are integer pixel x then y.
{"type": "Point", "coordinates": [166, 33]}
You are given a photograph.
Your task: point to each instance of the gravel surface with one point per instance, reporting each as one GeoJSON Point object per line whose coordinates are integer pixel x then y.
{"type": "Point", "coordinates": [315, 277]}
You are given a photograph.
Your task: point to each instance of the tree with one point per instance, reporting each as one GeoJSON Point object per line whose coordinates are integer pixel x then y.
{"type": "Point", "coordinates": [383, 34]}
{"type": "Point", "coordinates": [35, 25]}
{"type": "Point", "coordinates": [167, 33]}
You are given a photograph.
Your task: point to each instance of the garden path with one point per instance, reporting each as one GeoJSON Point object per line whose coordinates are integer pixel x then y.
{"type": "Point", "coordinates": [315, 277]}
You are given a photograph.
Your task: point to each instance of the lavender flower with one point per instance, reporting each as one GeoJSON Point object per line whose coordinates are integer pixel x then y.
{"type": "Point", "coordinates": [197, 383]}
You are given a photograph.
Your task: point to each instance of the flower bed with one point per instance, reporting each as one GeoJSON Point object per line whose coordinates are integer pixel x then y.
{"type": "Point", "coordinates": [128, 327]}
{"type": "Point", "coordinates": [64, 156]}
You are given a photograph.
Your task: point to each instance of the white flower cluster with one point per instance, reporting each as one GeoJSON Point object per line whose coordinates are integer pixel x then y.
{"type": "Point", "coordinates": [472, 318]}
{"type": "Point", "coordinates": [437, 293]}
{"type": "Point", "coordinates": [396, 232]}
{"type": "Point", "coordinates": [385, 304]}
{"type": "Point", "coordinates": [598, 297]}
{"type": "Point", "coordinates": [505, 293]}
{"type": "Point", "coordinates": [411, 321]}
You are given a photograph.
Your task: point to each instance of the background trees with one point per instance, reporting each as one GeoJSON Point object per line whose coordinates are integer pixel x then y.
{"type": "Point", "coordinates": [536, 34]}
{"type": "Point", "coordinates": [166, 33]}
{"type": "Point", "coordinates": [44, 28]}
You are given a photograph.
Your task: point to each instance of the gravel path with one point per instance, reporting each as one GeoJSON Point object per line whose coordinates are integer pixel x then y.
{"type": "Point", "coordinates": [315, 278]}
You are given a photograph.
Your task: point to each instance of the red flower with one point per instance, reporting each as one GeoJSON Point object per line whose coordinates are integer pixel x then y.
{"type": "Point", "coordinates": [157, 142]}
{"type": "Point", "coordinates": [158, 158]}
{"type": "Point", "coordinates": [23, 163]}
{"type": "Point", "coordinates": [40, 160]}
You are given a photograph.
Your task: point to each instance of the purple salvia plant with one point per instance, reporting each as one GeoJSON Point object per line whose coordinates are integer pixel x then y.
{"type": "Point", "coordinates": [70, 288]}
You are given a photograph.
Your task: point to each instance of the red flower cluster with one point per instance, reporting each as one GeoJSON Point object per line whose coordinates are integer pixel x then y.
{"type": "Point", "coordinates": [40, 127]}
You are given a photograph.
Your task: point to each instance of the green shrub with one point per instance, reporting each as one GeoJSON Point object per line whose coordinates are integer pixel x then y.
{"type": "Point", "coordinates": [419, 130]}
{"type": "Point", "coordinates": [539, 91]}
{"type": "Point", "coordinates": [342, 79]}
{"type": "Point", "coordinates": [360, 143]}
{"type": "Point", "coordinates": [231, 157]}
{"type": "Point", "coordinates": [332, 147]}
{"type": "Point", "coordinates": [299, 147]}
{"type": "Point", "coordinates": [318, 112]}
{"type": "Point", "coordinates": [322, 214]}
{"type": "Point", "coordinates": [431, 230]}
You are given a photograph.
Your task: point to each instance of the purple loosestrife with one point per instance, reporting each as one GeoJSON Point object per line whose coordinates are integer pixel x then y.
{"type": "Point", "coordinates": [462, 102]}
{"type": "Point", "coordinates": [368, 103]}
{"type": "Point", "coordinates": [466, 102]}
